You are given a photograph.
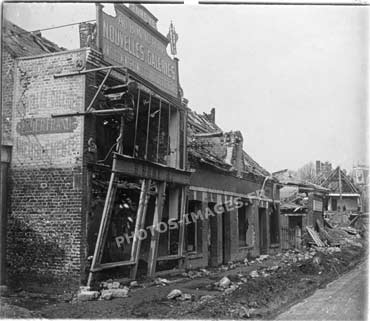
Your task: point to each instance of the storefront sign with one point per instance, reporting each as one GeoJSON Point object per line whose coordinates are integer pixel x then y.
{"type": "Point", "coordinates": [127, 40]}
{"type": "Point", "coordinates": [46, 125]}
{"type": "Point", "coordinates": [144, 169]}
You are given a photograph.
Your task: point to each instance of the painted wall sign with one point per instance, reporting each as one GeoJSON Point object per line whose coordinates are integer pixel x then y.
{"type": "Point", "coordinates": [128, 41]}
{"type": "Point", "coordinates": [46, 125]}
{"type": "Point", "coordinates": [144, 14]}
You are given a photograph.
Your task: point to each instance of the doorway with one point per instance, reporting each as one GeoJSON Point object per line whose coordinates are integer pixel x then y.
{"type": "Point", "coordinates": [262, 220]}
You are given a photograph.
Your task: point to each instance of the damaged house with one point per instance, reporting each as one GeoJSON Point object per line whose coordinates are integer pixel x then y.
{"type": "Point", "coordinates": [238, 199]}
{"type": "Point", "coordinates": [302, 206]}
{"type": "Point", "coordinates": [98, 139]}
{"type": "Point", "coordinates": [344, 200]}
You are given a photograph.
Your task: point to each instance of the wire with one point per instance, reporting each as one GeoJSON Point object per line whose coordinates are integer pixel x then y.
{"type": "Point", "coordinates": [62, 26]}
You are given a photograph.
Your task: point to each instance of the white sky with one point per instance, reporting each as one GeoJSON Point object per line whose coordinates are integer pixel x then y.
{"type": "Point", "coordinates": [292, 79]}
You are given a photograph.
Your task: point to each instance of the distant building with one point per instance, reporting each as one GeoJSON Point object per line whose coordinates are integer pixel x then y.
{"type": "Point", "coordinates": [344, 199]}
{"type": "Point", "coordinates": [360, 176]}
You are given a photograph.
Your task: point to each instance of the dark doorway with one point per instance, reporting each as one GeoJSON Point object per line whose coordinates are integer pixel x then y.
{"type": "Point", "coordinates": [225, 258]}
{"type": "Point", "coordinates": [262, 219]}
{"type": "Point", "coordinates": [212, 238]}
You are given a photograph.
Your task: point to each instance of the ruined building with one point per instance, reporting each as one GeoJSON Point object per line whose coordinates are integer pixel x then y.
{"type": "Point", "coordinates": [109, 166]}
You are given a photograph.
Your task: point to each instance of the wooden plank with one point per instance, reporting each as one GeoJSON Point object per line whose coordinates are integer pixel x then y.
{"type": "Point", "coordinates": [99, 246]}
{"type": "Point", "coordinates": [169, 257]}
{"type": "Point", "coordinates": [110, 265]}
{"type": "Point", "coordinates": [315, 237]}
{"type": "Point", "coordinates": [154, 242]}
{"type": "Point", "coordinates": [108, 206]}
{"type": "Point", "coordinates": [148, 127]}
{"type": "Point", "coordinates": [182, 217]}
{"type": "Point", "coordinates": [140, 221]}
{"type": "Point", "coordinates": [99, 89]}
{"type": "Point", "coordinates": [145, 169]}
{"type": "Point", "coordinates": [136, 122]}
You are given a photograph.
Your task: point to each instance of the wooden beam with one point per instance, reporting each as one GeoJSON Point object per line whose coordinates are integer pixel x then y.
{"type": "Point", "coordinates": [85, 71]}
{"type": "Point", "coordinates": [136, 121]}
{"type": "Point", "coordinates": [154, 243]}
{"type": "Point", "coordinates": [93, 112]}
{"type": "Point", "coordinates": [159, 129]}
{"type": "Point", "coordinates": [99, 90]}
{"type": "Point", "coordinates": [108, 206]}
{"type": "Point", "coordinates": [182, 218]}
{"type": "Point", "coordinates": [148, 128]}
{"type": "Point", "coordinates": [111, 265]}
{"type": "Point", "coordinates": [99, 246]}
{"type": "Point", "coordinates": [140, 221]}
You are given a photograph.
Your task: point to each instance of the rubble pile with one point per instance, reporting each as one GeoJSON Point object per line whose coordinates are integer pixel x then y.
{"type": "Point", "coordinates": [107, 290]}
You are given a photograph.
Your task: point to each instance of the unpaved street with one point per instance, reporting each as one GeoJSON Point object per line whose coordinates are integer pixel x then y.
{"type": "Point", "coordinates": [343, 299]}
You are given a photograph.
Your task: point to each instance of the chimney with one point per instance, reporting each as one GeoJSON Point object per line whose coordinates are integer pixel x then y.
{"type": "Point", "coordinates": [238, 145]}
{"type": "Point", "coordinates": [318, 167]}
{"type": "Point", "coordinates": [212, 115]}
{"type": "Point", "coordinates": [87, 34]}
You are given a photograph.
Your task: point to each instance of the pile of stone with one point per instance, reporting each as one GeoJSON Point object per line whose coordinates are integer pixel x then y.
{"type": "Point", "coordinates": [226, 286]}
{"type": "Point", "coordinates": [108, 290]}
{"type": "Point", "coordinates": [178, 295]}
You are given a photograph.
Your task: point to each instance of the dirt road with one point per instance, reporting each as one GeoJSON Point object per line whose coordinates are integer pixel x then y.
{"type": "Point", "coordinates": [343, 299]}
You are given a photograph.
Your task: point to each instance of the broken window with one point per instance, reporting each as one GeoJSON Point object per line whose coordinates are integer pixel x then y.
{"type": "Point", "coordinates": [194, 228]}
{"type": "Point", "coordinates": [119, 237]}
{"type": "Point", "coordinates": [154, 130]}
{"type": "Point", "coordinates": [274, 225]}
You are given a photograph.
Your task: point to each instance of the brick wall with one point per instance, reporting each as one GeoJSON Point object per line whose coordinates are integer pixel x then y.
{"type": "Point", "coordinates": [46, 217]}
{"type": "Point", "coordinates": [7, 97]}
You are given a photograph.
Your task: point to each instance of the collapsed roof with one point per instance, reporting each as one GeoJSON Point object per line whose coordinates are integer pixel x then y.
{"type": "Point", "coordinates": [293, 195]}
{"type": "Point", "coordinates": [344, 185]}
{"type": "Point", "coordinates": [21, 43]}
{"type": "Point", "coordinates": [208, 143]}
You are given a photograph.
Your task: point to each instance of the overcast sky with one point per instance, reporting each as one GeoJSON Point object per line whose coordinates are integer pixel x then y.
{"type": "Point", "coordinates": [292, 79]}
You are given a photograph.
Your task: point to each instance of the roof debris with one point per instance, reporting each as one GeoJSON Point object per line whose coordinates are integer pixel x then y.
{"type": "Point", "coordinates": [21, 43]}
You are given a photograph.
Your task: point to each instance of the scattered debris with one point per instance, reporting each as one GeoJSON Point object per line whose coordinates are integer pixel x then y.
{"type": "Point", "coordinates": [224, 282]}
{"type": "Point", "coordinates": [106, 295]}
{"type": "Point", "coordinates": [349, 230]}
{"type": "Point", "coordinates": [134, 284]}
{"type": "Point", "coordinates": [206, 297]}
{"type": "Point", "coordinates": [85, 295]}
{"type": "Point", "coordinates": [185, 296]}
{"type": "Point", "coordinates": [254, 274]}
{"type": "Point", "coordinates": [205, 272]}
{"type": "Point", "coordinates": [262, 257]}
{"type": "Point", "coordinates": [273, 268]}
{"type": "Point", "coordinates": [114, 285]}
{"type": "Point", "coordinates": [231, 289]}
{"type": "Point", "coordinates": [160, 281]}
{"type": "Point", "coordinates": [174, 294]}
{"type": "Point", "coordinates": [315, 237]}
{"type": "Point", "coordinates": [120, 293]}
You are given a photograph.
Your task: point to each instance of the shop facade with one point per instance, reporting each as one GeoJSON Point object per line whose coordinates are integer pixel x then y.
{"type": "Point", "coordinates": [233, 203]}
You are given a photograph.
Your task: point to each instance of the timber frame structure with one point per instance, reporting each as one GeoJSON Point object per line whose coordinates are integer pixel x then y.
{"type": "Point", "coordinates": [152, 174]}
